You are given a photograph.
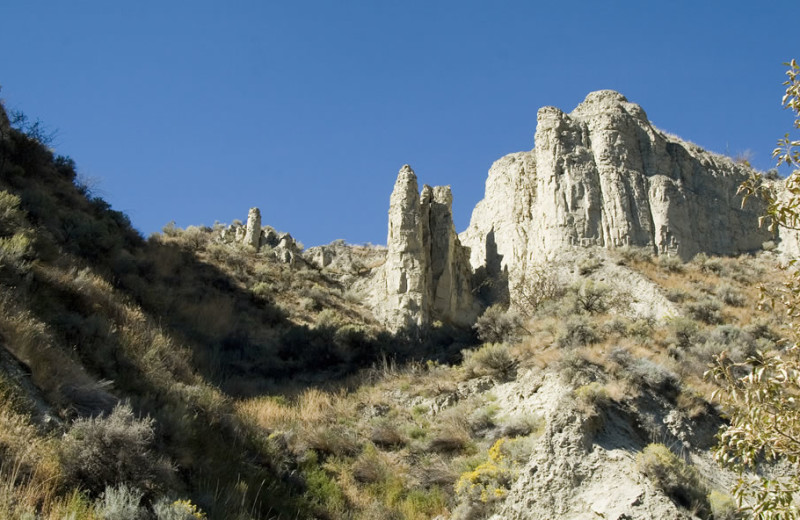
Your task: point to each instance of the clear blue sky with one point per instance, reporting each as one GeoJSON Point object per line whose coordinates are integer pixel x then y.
{"type": "Point", "coordinates": [194, 111]}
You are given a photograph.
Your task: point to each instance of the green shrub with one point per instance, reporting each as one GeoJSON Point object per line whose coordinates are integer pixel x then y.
{"type": "Point", "coordinates": [102, 451]}
{"type": "Point", "coordinates": [723, 506]}
{"type": "Point", "coordinates": [491, 359]}
{"type": "Point", "coordinates": [121, 503]}
{"type": "Point", "coordinates": [589, 265]}
{"type": "Point", "coordinates": [654, 376]}
{"type": "Point", "coordinates": [167, 509]}
{"type": "Point", "coordinates": [708, 265]}
{"type": "Point", "coordinates": [632, 254]}
{"type": "Point", "coordinates": [706, 309]}
{"type": "Point", "coordinates": [683, 332]}
{"type": "Point", "coordinates": [730, 296]}
{"type": "Point", "coordinates": [676, 295]}
{"type": "Point", "coordinates": [497, 325]}
{"type": "Point", "coordinates": [589, 297]}
{"type": "Point", "coordinates": [672, 264]}
{"type": "Point", "coordinates": [578, 331]}
{"type": "Point", "coordinates": [593, 395]}
{"type": "Point", "coordinates": [678, 480]}
{"type": "Point", "coordinates": [12, 218]}
{"type": "Point", "coordinates": [737, 343]}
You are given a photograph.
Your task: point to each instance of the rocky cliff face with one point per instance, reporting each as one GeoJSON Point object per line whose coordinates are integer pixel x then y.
{"type": "Point", "coordinates": [604, 176]}
{"type": "Point", "coordinates": [426, 276]}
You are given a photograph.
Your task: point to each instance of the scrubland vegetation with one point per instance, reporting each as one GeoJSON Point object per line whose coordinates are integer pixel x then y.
{"type": "Point", "coordinates": [181, 377]}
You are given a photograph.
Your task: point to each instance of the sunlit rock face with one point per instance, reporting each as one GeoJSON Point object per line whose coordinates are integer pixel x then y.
{"type": "Point", "coordinates": [604, 176]}
{"type": "Point", "coordinates": [427, 274]}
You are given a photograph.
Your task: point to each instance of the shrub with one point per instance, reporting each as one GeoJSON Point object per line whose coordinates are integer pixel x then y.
{"type": "Point", "coordinates": [490, 480]}
{"type": "Point", "coordinates": [589, 265]}
{"type": "Point", "coordinates": [676, 295]}
{"type": "Point", "coordinates": [739, 344]}
{"type": "Point", "coordinates": [497, 325]}
{"type": "Point", "coordinates": [386, 435]}
{"type": "Point", "coordinates": [592, 395]}
{"type": "Point", "coordinates": [121, 503]}
{"type": "Point", "coordinates": [521, 426]}
{"type": "Point", "coordinates": [708, 265]}
{"type": "Point", "coordinates": [449, 438]}
{"type": "Point", "coordinates": [678, 480]}
{"type": "Point", "coordinates": [730, 296]}
{"type": "Point", "coordinates": [723, 506]}
{"type": "Point", "coordinates": [116, 449]}
{"type": "Point", "coordinates": [654, 376]}
{"type": "Point", "coordinates": [335, 440]}
{"type": "Point", "coordinates": [672, 264]}
{"type": "Point", "coordinates": [11, 216]}
{"type": "Point", "coordinates": [631, 254]}
{"type": "Point", "coordinates": [537, 285]}
{"type": "Point", "coordinates": [578, 331]}
{"type": "Point", "coordinates": [706, 309]}
{"type": "Point", "coordinates": [165, 509]}
{"type": "Point", "coordinates": [370, 466]}
{"type": "Point", "coordinates": [683, 332]}
{"type": "Point", "coordinates": [591, 297]}
{"type": "Point", "coordinates": [491, 359]}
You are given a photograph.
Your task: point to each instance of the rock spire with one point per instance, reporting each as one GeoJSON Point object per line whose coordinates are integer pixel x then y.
{"type": "Point", "coordinates": [427, 274]}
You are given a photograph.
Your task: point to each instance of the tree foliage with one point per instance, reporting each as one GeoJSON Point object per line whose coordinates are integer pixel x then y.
{"type": "Point", "coordinates": [762, 394]}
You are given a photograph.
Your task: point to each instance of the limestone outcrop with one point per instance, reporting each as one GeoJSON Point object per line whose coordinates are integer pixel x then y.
{"type": "Point", "coordinates": [426, 275]}
{"type": "Point", "coordinates": [603, 175]}
{"type": "Point", "coordinates": [252, 234]}
{"type": "Point", "coordinates": [280, 246]}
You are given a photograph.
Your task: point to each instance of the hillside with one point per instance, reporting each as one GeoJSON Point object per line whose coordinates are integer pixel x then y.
{"type": "Point", "coordinates": [225, 372]}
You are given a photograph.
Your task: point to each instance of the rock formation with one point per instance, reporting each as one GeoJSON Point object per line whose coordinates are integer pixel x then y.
{"type": "Point", "coordinates": [281, 246]}
{"type": "Point", "coordinates": [252, 235]}
{"type": "Point", "coordinates": [426, 276]}
{"type": "Point", "coordinates": [604, 176]}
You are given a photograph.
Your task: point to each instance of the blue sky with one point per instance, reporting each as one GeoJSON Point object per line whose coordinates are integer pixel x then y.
{"type": "Point", "coordinates": [194, 111]}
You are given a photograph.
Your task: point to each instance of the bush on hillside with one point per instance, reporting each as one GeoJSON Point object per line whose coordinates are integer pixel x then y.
{"type": "Point", "coordinates": [497, 325]}
{"type": "Point", "coordinates": [706, 309]}
{"type": "Point", "coordinates": [577, 332]}
{"type": "Point", "coordinates": [680, 481]}
{"type": "Point", "coordinates": [113, 450]}
{"type": "Point", "coordinates": [491, 359]}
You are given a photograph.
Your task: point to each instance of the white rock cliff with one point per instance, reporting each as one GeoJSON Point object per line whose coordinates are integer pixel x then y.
{"type": "Point", "coordinates": [426, 276]}
{"type": "Point", "coordinates": [603, 175]}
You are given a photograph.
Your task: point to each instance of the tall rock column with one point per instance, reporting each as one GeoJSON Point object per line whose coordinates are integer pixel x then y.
{"type": "Point", "coordinates": [252, 235]}
{"type": "Point", "coordinates": [407, 265]}
{"type": "Point", "coordinates": [451, 295]}
{"type": "Point", "coordinates": [427, 272]}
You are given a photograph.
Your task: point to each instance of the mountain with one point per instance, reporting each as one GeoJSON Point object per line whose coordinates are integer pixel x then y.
{"type": "Point", "coordinates": [545, 363]}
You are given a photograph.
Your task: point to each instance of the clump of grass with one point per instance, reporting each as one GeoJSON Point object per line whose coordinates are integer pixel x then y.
{"type": "Point", "coordinates": [387, 435]}
{"type": "Point", "coordinates": [680, 481]}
